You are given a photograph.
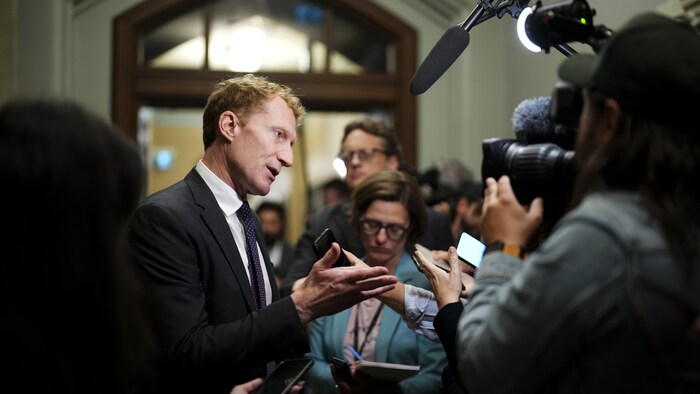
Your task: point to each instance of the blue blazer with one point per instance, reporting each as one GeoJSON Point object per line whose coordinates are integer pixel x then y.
{"type": "Point", "coordinates": [396, 343]}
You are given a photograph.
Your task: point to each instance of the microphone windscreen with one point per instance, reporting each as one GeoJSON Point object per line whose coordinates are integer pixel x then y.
{"type": "Point", "coordinates": [532, 124]}
{"type": "Point", "coordinates": [440, 58]}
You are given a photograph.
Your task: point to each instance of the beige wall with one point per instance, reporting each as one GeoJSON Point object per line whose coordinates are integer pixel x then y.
{"type": "Point", "coordinates": [8, 56]}
{"type": "Point", "coordinates": [66, 50]}
{"type": "Point", "coordinates": [186, 144]}
{"type": "Point", "coordinates": [475, 98]}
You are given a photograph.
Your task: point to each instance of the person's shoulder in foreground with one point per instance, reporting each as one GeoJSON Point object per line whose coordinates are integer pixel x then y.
{"type": "Point", "coordinates": [74, 311]}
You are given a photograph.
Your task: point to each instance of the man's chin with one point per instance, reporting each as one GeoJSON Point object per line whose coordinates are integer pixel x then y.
{"type": "Point", "coordinates": [262, 190]}
{"type": "Point", "coordinates": [354, 182]}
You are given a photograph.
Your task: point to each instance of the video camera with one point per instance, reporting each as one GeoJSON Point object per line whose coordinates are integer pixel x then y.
{"type": "Point", "coordinates": [540, 162]}
{"type": "Point", "coordinates": [556, 25]}
{"type": "Point", "coordinates": [534, 170]}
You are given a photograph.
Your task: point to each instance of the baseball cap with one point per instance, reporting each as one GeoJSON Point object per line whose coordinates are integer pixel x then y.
{"type": "Point", "coordinates": [651, 66]}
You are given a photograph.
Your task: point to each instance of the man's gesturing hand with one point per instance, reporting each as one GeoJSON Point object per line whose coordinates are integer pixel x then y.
{"type": "Point", "coordinates": [327, 290]}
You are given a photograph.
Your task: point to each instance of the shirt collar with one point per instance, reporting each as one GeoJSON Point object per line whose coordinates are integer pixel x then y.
{"type": "Point", "coordinates": [225, 195]}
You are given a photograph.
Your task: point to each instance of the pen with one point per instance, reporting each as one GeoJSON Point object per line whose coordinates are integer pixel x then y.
{"type": "Point", "coordinates": [355, 353]}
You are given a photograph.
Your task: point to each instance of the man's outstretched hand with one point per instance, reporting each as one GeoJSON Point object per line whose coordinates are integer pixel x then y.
{"type": "Point", "coordinates": [327, 291]}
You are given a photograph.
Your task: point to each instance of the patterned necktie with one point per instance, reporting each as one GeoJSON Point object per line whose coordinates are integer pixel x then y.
{"type": "Point", "coordinates": [257, 281]}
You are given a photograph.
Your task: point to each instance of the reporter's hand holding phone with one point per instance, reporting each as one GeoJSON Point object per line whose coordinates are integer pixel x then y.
{"type": "Point", "coordinates": [444, 255]}
{"type": "Point", "coordinates": [251, 386]}
{"type": "Point", "coordinates": [247, 388]}
{"type": "Point", "coordinates": [467, 271]}
{"type": "Point", "coordinates": [447, 287]}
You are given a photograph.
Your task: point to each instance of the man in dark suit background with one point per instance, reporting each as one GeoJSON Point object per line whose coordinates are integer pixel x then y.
{"type": "Point", "coordinates": [367, 147]}
{"type": "Point", "coordinates": [273, 217]}
{"type": "Point", "coordinates": [218, 313]}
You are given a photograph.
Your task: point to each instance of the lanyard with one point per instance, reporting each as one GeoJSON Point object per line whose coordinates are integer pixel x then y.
{"type": "Point", "coordinates": [369, 328]}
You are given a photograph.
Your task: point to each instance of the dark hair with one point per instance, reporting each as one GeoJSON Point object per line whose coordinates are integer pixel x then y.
{"type": "Point", "coordinates": [472, 190]}
{"type": "Point", "coordinates": [74, 307]}
{"type": "Point", "coordinates": [379, 129]}
{"type": "Point", "coordinates": [662, 163]}
{"type": "Point", "coordinates": [337, 184]}
{"type": "Point", "coordinates": [272, 206]}
{"type": "Point", "coordinates": [391, 185]}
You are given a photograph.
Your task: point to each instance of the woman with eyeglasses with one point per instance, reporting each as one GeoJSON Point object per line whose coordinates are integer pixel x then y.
{"type": "Point", "coordinates": [388, 211]}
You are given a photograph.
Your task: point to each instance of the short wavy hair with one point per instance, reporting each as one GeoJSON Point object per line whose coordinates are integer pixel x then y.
{"type": "Point", "coordinates": [380, 129]}
{"type": "Point", "coordinates": [394, 186]}
{"type": "Point", "coordinates": [244, 95]}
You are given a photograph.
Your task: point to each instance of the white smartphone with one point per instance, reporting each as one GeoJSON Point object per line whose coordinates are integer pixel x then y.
{"type": "Point", "coordinates": [429, 255]}
{"type": "Point", "coordinates": [470, 250]}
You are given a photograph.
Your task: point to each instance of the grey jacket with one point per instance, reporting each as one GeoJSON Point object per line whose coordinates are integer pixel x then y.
{"type": "Point", "coordinates": [601, 307]}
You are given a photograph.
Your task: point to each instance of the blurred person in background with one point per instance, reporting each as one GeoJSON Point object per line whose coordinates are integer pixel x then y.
{"type": "Point", "coordinates": [367, 147]}
{"type": "Point", "coordinates": [388, 212]}
{"type": "Point", "coordinates": [272, 220]}
{"type": "Point", "coordinates": [463, 205]}
{"type": "Point", "coordinates": [334, 191]}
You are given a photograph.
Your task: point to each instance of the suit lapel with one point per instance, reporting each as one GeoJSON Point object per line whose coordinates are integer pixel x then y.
{"type": "Point", "coordinates": [216, 222]}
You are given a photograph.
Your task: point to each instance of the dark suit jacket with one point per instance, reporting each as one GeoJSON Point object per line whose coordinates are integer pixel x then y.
{"type": "Point", "coordinates": [212, 336]}
{"type": "Point", "coordinates": [437, 236]}
{"type": "Point", "coordinates": [282, 267]}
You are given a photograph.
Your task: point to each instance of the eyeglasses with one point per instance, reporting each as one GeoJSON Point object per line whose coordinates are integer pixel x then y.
{"type": "Point", "coordinates": [362, 154]}
{"type": "Point", "coordinates": [393, 231]}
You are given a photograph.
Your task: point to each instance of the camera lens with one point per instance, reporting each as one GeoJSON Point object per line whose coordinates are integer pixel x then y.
{"type": "Point", "coordinates": [543, 170]}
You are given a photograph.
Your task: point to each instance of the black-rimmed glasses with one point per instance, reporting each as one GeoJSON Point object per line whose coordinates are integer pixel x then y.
{"type": "Point", "coordinates": [362, 154]}
{"type": "Point", "coordinates": [393, 231]}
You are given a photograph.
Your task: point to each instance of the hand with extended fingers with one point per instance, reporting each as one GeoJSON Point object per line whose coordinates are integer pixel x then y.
{"type": "Point", "coordinates": [328, 290]}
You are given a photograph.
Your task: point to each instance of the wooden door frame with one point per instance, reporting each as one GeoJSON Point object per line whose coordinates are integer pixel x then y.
{"type": "Point", "coordinates": [133, 86]}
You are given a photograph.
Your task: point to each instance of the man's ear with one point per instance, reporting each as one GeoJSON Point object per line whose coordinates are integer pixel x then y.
{"type": "Point", "coordinates": [228, 124]}
{"type": "Point", "coordinates": [393, 162]}
{"type": "Point", "coordinates": [611, 117]}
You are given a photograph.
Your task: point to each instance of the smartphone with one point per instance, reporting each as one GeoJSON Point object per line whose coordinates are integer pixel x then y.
{"type": "Point", "coordinates": [429, 255]}
{"type": "Point", "coordinates": [324, 242]}
{"type": "Point", "coordinates": [342, 368]}
{"type": "Point", "coordinates": [470, 250]}
{"type": "Point", "coordinates": [285, 376]}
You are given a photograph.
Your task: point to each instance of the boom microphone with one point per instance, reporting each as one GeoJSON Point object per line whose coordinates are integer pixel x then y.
{"type": "Point", "coordinates": [445, 51]}
{"type": "Point", "coordinates": [456, 39]}
{"type": "Point", "coordinates": [440, 58]}
{"type": "Point", "coordinates": [532, 124]}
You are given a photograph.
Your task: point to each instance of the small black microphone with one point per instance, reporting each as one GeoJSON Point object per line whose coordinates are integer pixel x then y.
{"type": "Point", "coordinates": [532, 124]}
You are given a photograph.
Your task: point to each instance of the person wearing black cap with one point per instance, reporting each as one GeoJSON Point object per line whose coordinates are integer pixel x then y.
{"type": "Point", "coordinates": [610, 301]}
